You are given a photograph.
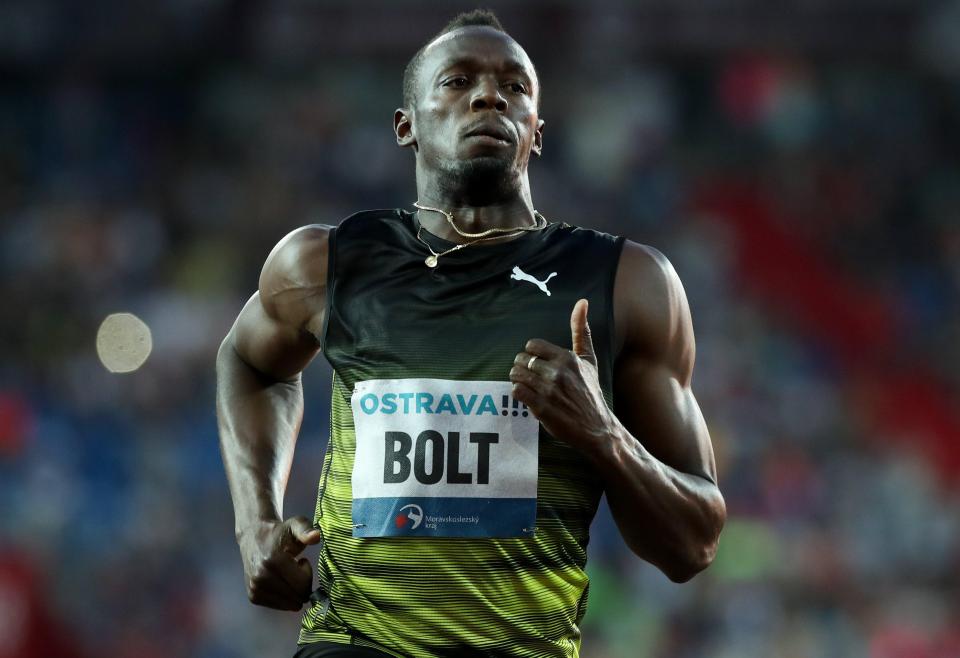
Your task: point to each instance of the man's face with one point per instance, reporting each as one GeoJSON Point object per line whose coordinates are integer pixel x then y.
{"type": "Point", "coordinates": [475, 117]}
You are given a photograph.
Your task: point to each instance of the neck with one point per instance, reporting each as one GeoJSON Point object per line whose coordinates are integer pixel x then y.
{"type": "Point", "coordinates": [511, 212]}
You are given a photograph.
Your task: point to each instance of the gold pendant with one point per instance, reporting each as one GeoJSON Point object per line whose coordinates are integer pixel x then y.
{"type": "Point", "coordinates": [430, 260]}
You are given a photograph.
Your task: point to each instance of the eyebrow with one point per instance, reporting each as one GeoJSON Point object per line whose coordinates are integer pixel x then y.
{"type": "Point", "coordinates": [511, 65]}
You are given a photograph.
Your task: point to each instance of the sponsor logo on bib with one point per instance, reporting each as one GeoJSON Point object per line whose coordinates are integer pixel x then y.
{"type": "Point", "coordinates": [415, 516]}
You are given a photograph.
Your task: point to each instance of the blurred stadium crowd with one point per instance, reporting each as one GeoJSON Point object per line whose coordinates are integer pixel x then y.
{"type": "Point", "coordinates": [800, 168]}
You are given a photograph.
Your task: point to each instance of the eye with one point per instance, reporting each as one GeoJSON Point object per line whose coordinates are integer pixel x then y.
{"type": "Point", "coordinates": [517, 87]}
{"type": "Point", "coordinates": [458, 82]}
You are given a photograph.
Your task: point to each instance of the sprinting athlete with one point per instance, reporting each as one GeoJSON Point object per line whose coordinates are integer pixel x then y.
{"type": "Point", "coordinates": [477, 415]}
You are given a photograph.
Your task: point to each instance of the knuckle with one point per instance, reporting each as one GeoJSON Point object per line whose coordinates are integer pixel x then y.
{"type": "Point", "coordinates": [519, 358]}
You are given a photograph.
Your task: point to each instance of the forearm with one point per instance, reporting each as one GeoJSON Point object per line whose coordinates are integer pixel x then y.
{"type": "Point", "coordinates": [259, 419]}
{"type": "Point", "coordinates": [669, 518]}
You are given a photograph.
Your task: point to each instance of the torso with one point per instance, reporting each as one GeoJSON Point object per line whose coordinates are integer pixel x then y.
{"type": "Point", "coordinates": [393, 318]}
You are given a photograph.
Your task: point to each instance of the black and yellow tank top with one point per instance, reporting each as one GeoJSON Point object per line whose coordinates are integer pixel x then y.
{"type": "Point", "coordinates": [453, 523]}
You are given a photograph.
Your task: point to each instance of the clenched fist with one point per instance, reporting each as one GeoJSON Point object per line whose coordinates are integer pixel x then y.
{"type": "Point", "coordinates": [562, 388]}
{"type": "Point", "coordinates": [276, 577]}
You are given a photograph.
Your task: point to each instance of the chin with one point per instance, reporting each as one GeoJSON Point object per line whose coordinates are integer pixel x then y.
{"type": "Point", "coordinates": [486, 165]}
{"type": "Point", "coordinates": [485, 178]}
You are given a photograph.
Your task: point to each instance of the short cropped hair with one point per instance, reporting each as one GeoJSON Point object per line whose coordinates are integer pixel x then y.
{"type": "Point", "coordinates": [477, 17]}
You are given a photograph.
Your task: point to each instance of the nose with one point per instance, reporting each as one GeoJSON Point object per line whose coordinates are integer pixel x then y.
{"type": "Point", "coordinates": [487, 95]}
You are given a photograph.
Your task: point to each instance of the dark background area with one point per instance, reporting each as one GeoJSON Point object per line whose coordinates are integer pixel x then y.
{"type": "Point", "coordinates": [797, 162]}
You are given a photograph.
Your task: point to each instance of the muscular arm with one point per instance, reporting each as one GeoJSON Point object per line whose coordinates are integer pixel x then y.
{"type": "Point", "coordinates": [260, 407]}
{"type": "Point", "coordinates": [655, 455]}
{"type": "Point", "coordinates": [658, 467]}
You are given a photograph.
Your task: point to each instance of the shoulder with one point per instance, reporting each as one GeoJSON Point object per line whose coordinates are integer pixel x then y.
{"type": "Point", "coordinates": [300, 258]}
{"type": "Point", "coordinates": [650, 305]}
{"type": "Point", "coordinates": [296, 268]}
{"type": "Point", "coordinates": [644, 266]}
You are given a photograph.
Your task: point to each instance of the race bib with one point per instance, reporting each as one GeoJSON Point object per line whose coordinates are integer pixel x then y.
{"type": "Point", "coordinates": [443, 458]}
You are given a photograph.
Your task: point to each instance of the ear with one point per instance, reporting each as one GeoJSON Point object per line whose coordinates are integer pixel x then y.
{"type": "Point", "coordinates": [537, 147]}
{"type": "Point", "coordinates": [403, 128]}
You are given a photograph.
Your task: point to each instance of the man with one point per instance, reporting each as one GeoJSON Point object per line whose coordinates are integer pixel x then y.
{"type": "Point", "coordinates": [473, 427]}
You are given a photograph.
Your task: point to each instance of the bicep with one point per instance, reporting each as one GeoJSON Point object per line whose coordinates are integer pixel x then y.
{"type": "Point", "coordinates": [652, 378]}
{"type": "Point", "coordinates": [278, 332]}
{"type": "Point", "coordinates": [663, 414]}
{"type": "Point", "coordinates": [269, 345]}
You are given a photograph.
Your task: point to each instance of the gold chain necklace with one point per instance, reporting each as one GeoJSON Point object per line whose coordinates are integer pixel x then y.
{"type": "Point", "coordinates": [431, 260]}
{"type": "Point", "coordinates": [540, 223]}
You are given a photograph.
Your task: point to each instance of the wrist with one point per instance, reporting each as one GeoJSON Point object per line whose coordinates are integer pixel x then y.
{"type": "Point", "coordinates": [621, 459]}
{"type": "Point", "coordinates": [611, 445]}
{"type": "Point", "coordinates": [254, 525]}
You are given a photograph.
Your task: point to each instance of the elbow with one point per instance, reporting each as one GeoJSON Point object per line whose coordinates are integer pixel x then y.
{"type": "Point", "coordinates": [700, 554]}
{"type": "Point", "coordinates": [683, 571]}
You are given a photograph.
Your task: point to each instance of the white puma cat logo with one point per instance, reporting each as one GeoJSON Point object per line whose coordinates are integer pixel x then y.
{"type": "Point", "coordinates": [520, 275]}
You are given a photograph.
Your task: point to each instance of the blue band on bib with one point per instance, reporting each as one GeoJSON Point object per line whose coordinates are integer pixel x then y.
{"type": "Point", "coordinates": [444, 517]}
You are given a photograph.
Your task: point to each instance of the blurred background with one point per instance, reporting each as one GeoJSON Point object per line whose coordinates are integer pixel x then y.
{"type": "Point", "coordinates": [798, 161]}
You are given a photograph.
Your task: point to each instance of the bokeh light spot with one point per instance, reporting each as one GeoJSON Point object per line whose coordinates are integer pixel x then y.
{"type": "Point", "coordinates": [123, 342]}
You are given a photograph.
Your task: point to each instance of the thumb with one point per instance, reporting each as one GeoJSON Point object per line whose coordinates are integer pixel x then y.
{"type": "Point", "coordinates": [302, 531]}
{"type": "Point", "coordinates": [580, 332]}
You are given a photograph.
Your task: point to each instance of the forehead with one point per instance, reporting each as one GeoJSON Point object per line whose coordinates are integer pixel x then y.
{"type": "Point", "coordinates": [483, 46]}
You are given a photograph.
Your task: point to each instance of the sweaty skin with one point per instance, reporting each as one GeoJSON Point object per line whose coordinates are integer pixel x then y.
{"type": "Point", "coordinates": [655, 456]}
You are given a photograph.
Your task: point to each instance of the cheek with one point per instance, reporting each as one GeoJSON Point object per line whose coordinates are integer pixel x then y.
{"type": "Point", "coordinates": [439, 132]}
{"type": "Point", "coordinates": [438, 107]}
{"type": "Point", "coordinates": [527, 121]}
{"type": "Point", "coordinates": [527, 130]}
{"type": "Point", "coordinates": [434, 115]}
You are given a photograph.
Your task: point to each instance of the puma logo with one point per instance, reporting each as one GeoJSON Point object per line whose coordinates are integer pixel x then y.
{"type": "Point", "coordinates": [520, 275]}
